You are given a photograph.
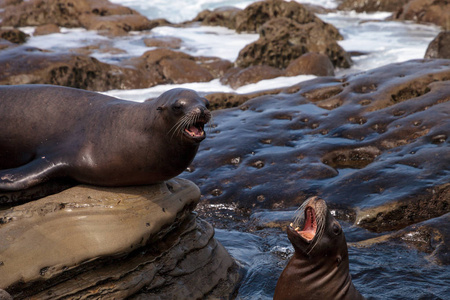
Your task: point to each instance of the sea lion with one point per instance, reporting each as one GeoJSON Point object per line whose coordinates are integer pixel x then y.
{"type": "Point", "coordinates": [319, 268]}
{"type": "Point", "coordinates": [52, 131]}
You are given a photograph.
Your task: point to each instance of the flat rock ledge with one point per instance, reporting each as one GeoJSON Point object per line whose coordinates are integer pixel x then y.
{"type": "Point", "coordinates": [114, 243]}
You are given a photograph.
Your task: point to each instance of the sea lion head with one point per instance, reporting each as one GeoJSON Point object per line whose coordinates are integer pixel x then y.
{"type": "Point", "coordinates": [186, 112]}
{"type": "Point", "coordinates": [316, 235]}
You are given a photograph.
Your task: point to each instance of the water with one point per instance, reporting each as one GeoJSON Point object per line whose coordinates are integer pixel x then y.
{"type": "Point", "coordinates": [385, 271]}
{"type": "Point", "coordinates": [388, 271]}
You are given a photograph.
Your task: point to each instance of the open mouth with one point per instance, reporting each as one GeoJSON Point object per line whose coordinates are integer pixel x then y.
{"type": "Point", "coordinates": [196, 130]}
{"type": "Point", "coordinates": [308, 232]}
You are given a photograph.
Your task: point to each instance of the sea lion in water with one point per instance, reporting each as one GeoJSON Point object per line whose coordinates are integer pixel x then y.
{"type": "Point", "coordinates": [52, 131]}
{"type": "Point", "coordinates": [319, 268]}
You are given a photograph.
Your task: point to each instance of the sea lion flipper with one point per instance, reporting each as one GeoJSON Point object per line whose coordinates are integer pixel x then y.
{"type": "Point", "coordinates": [35, 172]}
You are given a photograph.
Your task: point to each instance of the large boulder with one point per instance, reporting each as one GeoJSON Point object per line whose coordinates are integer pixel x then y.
{"type": "Point", "coordinates": [373, 144]}
{"type": "Point", "coordinates": [287, 31]}
{"type": "Point", "coordinates": [92, 242]}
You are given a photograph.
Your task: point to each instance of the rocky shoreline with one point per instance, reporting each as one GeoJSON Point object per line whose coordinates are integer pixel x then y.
{"type": "Point", "coordinates": [375, 145]}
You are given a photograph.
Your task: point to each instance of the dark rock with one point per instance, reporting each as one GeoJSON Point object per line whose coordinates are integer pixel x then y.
{"type": "Point", "coordinates": [310, 63]}
{"type": "Point", "coordinates": [431, 236]}
{"type": "Point", "coordinates": [283, 40]}
{"type": "Point", "coordinates": [371, 6]}
{"type": "Point", "coordinates": [13, 35]}
{"type": "Point", "coordinates": [238, 77]}
{"type": "Point", "coordinates": [426, 11]}
{"type": "Point", "coordinates": [374, 145]}
{"type": "Point", "coordinates": [440, 46]}
{"type": "Point", "coordinates": [46, 29]}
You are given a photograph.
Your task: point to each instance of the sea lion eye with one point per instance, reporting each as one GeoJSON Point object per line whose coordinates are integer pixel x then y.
{"type": "Point", "coordinates": [336, 229]}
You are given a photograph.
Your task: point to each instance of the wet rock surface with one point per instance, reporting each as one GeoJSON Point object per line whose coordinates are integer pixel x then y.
{"type": "Point", "coordinates": [135, 242]}
{"type": "Point", "coordinates": [375, 145]}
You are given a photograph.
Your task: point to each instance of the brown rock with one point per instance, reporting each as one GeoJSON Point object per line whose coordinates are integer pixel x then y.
{"type": "Point", "coordinates": [116, 25]}
{"type": "Point", "coordinates": [94, 15]}
{"type": "Point", "coordinates": [222, 16]}
{"type": "Point", "coordinates": [13, 35]}
{"type": "Point", "coordinates": [426, 11]}
{"type": "Point", "coordinates": [216, 66]}
{"type": "Point", "coordinates": [184, 70]}
{"type": "Point", "coordinates": [238, 77]}
{"type": "Point", "coordinates": [310, 63]}
{"type": "Point", "coordinates": [134, 241]}
{"type": "Point", "coordinates": [372, 6]}
{"type": "Point", "coordinates": [283, 40]}
{"type": "Point", "coordinates": [46, 29]}
{"type": "Point", "coordinates": [258, 13]}
{"type": "Point", "coordinates": [163, 42]}
{"type": "Point", "coordinates": [79, 71]}
{"type": "Point", "coordinates": [439, 46]}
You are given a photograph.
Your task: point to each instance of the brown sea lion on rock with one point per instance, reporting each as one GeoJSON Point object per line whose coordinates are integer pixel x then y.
{"type": "Point", "coordinates": [50, 131]}
{"type": "Point", "coordinates": [319, 268]}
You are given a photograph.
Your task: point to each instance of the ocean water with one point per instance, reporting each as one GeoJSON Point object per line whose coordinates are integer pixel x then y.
{"type": "Point", "coordinates": [382, 272]}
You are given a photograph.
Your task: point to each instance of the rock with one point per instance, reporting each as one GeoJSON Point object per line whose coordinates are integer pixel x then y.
{"type": "Point", "coordinates": [439, 46]}
{"type": "Point", "coordinates": [92, 242]}
{"type": "Point", "coordinates": [46, 29]}
{"type": "Point", "coordinates": [215, 65]}
{"type": "Point", "coordinates": [431, 236]}
{"type": "Point", "coordinates": [228, 100]}
{"type": "Point", "coordinates": [238, 77]}
{"type": "Point", "coordinates": [67, 69]}
{"type": "Point", "coordinates": [310, 63]}
{"type": "Point", "coordinates": [425, 11]}
{"type": "Point", "coordinates": [373, 144]}
{"type": "Point", "coordinates": [222, 16]}
{"type": "Point", "coordinates": [184, 70]}
{"type": "Point", "coordinates": [283, 40]}
{"type": "Point", "coordinates": [163, 42]}
{"type": "Point", "coordinates": [116, 25]}
{"type": "Point", "coordinates": [93, 15]}
{"type": "Point", "coordinates": [255, 15]}
{"type": "Point", "coordinates": [13, 35]}
{"type": "Point", "coordinates": [372, 6]}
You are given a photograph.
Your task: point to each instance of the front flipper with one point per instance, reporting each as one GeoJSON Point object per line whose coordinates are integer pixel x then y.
{"type": "Point", "coordinates": [31, 174]}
